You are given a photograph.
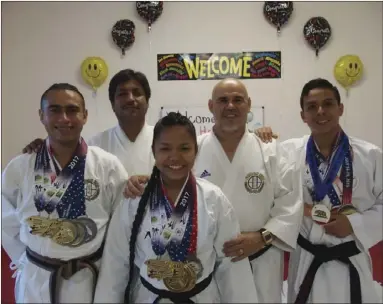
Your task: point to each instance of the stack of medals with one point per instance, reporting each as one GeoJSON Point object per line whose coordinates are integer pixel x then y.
{"type": "Point", "coordinates": [176, 240]}
{"type": "Point", "coordinates": [49, 192]}
{"type": "Point", "coordinates": [72, 233]}
{"type": "Point", "coordinates": [177, 276]}
{"type": "Point", "coordinates": [323, 187]}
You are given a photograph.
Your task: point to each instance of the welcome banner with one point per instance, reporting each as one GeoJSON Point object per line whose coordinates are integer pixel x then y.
{"type": "Point", "coordinates": [209, 66]}
{"type": "Point", "coordinates": [203, 120]}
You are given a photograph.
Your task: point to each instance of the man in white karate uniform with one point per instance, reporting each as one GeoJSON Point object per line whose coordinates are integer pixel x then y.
{"type": "Point", "coordinates": [259, 182]}
{"type": "Point", "coordinates": [342, 189]}
{"type": "Point", "coordinates": [262, 186]}
{"type": "Point", "coordinates": [131, 139]}
{"type": "Point", "coordinates": [56, 205]}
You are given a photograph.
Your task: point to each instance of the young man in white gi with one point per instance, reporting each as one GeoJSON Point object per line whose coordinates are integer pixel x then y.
{"type": "Point", "coordinates": [56, 205]}
{"type": "Point", "coordinates": [262, 186]}
{"type": "Point", "coordinates": [342, 188]}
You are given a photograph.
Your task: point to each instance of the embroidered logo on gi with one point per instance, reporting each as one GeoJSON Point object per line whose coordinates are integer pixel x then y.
{"type": "Point", "coordinates": [92, 189]}
{"type": "Point", "coordinates": [205, 173]}
{"type": "Point", "coordinates": [254, 182]}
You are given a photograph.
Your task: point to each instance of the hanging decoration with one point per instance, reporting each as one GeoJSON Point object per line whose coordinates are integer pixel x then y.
{"type": "Point", "coordinates": [348, 70]}
{"type": "Point", "coordinates": [278, 12]}
{"type": "Point", "coordinates": [150, 11]}
{"type": "Point", "coordinates": [317, 32]}
{"type": "Point", "coordinates": [123, 34]}
{"type": "Point", "coordinates": [94, 71]}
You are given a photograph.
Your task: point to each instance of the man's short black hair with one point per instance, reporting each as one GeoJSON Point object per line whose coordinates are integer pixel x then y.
{"type": "Point", "coordinates": [127, 75]}
{"type": "Point", "coordinates": [58, 87]}
{"type": "Point", "coordinates": [319, 83]}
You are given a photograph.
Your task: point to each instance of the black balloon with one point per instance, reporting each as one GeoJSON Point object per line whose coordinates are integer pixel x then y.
{"type": "Point", "coordinates": [150, 10]}
{"type": "Point", "coordinates": [123, 34]}
{"type": "Point", "coordinates": [317, 32]}
{"type": "Point", "coordinates": [278, 12]}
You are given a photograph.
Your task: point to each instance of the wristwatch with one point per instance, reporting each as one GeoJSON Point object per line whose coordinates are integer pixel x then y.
{"type": "Point", "coordinates": [267, 236]}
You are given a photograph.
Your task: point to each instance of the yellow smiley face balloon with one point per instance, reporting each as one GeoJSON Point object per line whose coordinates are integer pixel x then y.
{"type": "Point", "coordinates": [94, 71]}
{"type": "Point", "coordinates": [348, 70]}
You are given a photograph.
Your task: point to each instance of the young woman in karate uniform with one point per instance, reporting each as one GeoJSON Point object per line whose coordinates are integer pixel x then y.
{"type": "Point", "coordinates": [167, 244]}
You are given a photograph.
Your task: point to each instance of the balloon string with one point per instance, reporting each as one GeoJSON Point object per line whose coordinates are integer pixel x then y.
{"type": "Point", "coordinates": [345, 111]}
{"type": "Point", "coordinates": [150, 39]}
{"type": "Point", "coordinates": [94, 95]}
{"type": "Point", "coordinates": [317, 52]}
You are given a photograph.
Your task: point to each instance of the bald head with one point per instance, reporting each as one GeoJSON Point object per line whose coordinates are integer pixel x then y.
{"type": "Point", "coordinates": [229, 85]}
{"type": "Point", "coordinates": [229, 105]}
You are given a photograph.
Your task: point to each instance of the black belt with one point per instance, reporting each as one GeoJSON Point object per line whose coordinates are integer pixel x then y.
{"type": "Point", "coordinates": [323, 254]}
{"type": "Point", "coordinates": [65, 269]}
{"type": "Point", "coordinates": [178, 297]}
{"type": "Point", "coordinates": [259, 253]}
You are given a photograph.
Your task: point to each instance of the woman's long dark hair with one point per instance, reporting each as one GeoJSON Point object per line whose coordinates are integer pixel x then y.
{"type": "Point", "coordinates": [170, 120]}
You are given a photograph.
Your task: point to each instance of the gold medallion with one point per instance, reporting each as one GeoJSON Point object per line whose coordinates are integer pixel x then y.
{"type": "Point", "coordinates": [184, 283]}
{"type": "Point", "coordinates": [66, 234]}
{"type": "Point", "coordinates": [177, 276]}
{"type": "Point", "coordinates": [54, 227]}
{"type": "Point", "coordinates": [38, 222]}
{"type": "Point", "coordinates": [159, 269]}
{"type": "Point", "coordinates": [43, 226]}
{"type": "Point", "coordinates": [347, 210]}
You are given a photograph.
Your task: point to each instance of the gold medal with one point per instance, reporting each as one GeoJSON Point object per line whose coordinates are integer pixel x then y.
{"type": "Point", "coordinates": [54, 227]}
{"type": "Point", "coordinates": [43, 226]}
{"type": "Point", "coordinates": [38, 224]}
{"type": "Point", "coordinates": [177, 276]}
{"type": "Point", "coordinates": [347, 210]}
{"type": "Point", "coordinates": [160, 269]}
{"type": "Point", "coordinates": [66, 234]}
{"type": "Point", "coordinates": [184, 283]}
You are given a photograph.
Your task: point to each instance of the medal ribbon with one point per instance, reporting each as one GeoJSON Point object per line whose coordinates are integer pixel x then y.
{"type": "Point", "coordinates": [61, 190]}
{"type": "Point", "coordinates": [340, 157]}
{"type": "Point", "coordinates": [174, 229]}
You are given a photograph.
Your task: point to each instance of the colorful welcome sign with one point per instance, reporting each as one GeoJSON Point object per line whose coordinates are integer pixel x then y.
{"type": "Point", "coordinates": [208, 66]}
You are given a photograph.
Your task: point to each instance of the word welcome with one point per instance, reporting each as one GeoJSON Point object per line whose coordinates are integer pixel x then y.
{"type": "Point", "coordinates": [217, 66]}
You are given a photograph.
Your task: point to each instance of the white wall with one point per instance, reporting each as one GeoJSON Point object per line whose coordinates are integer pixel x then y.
{"type": "Point", "coordinates": [44, 43]}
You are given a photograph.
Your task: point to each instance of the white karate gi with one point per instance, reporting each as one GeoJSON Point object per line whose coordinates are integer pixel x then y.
{"type": "Point", "coordinates": [277, 206]}
{"type": "Point", "coordinates": [331, 284]}
{"type": "Point", "coordinates": [17, 192]}
{"type": "Point", "coordinates": [217, 223]}
{"type": "Point", "coordinates": [136, 156]}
